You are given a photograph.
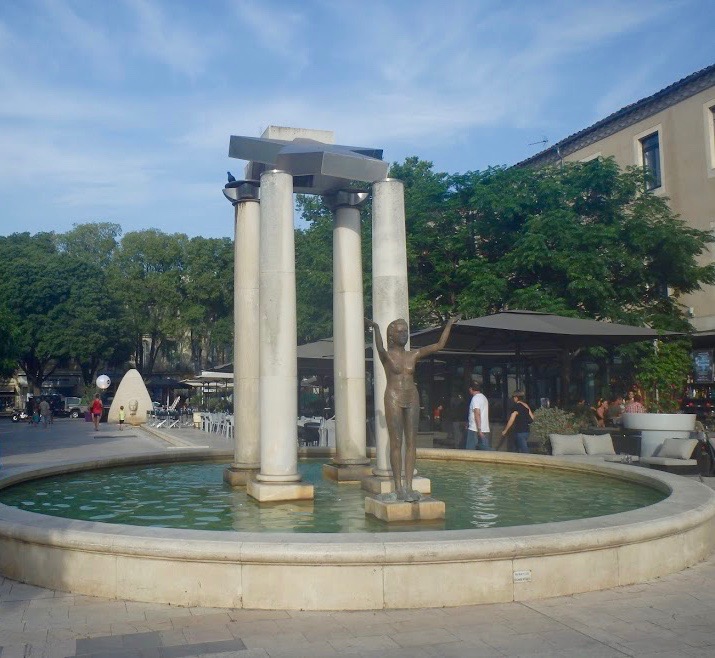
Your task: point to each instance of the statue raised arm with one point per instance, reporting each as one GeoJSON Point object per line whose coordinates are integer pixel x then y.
{"type": "Point", "coordinates": [402, 403]}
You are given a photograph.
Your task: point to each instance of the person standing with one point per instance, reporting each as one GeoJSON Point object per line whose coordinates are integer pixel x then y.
{"type": "Point", "coordinates": [122, 416]}
{"type": "Point", "coordinates": [478, 420]}
{"type": "Point", "coordinates": [97, 409]}
{"type": "Point", "coordinates": [45, 413]}
{"type": "Point", "coordinates": [520, 419]}
{"type": "Point", "coordinates": [635, 406]}
{"type": "Point", "coordinates": [35, 418]}
{"type": "Point", "coordinates": [600, 411]}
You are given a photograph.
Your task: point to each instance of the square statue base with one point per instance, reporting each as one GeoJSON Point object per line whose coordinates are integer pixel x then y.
{"type": "Point", "coordinates": [239, 477]}
{"type": "Point", "coordinates": [425, 509]}
{"type": "Point", "coordinates": [378, 485]}
{"type": "Point", "coordinates": [346, 473]}
{"type": "Point", "coordinates": [275, 491]}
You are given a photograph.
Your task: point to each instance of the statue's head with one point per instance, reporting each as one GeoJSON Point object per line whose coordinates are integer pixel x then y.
{"type": "Point", "coordinates": [398, 332]}
{"type": "Point", "coordinates": [133, 406]}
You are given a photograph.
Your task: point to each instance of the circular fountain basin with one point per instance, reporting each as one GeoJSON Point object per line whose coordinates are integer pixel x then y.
{"type": "Point", "coordinates": [193, 496]}
{"type": "Point", "coordinates": [361, 570]}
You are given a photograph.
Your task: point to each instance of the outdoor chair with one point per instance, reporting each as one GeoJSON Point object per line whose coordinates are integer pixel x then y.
{"type": "Point", "coordinates": [173, 420]}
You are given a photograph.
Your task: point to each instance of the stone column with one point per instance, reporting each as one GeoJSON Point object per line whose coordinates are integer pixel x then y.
{"type": "Point", "coordinates": [350, 463]}
{"type": "Point", "coordinates": [278, 383]}
{"type": "Point", "coordinates": [389, 302]}
{"type": "Point", "coordinates": [246, 410]}
{"type": "Point", "coordinates": [389, 292]}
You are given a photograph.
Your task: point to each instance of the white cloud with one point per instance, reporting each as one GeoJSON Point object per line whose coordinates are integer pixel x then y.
{"type": "Point", "coordinates": [280, 31]}
{"type": "Point", "coordinates": [75, 173]}
{"type": "Point", "coordinates": [36, 102]}
{"type": "Point", "coordinates": [404, 76]}
{"type": "Point", "coordinates": [91, 39]}
{"type": "Point", "coordinates": [162, 37]}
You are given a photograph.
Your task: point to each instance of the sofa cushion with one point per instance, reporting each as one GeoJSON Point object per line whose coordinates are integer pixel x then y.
{"type": "Point", "coordinates": [567, 444]}
{"type": "Point", "coordinates": [601, 444]}
{"type": "Point", "coordinates": [677, 448]}
{"type": "Point", "coordinates": [667, 461]}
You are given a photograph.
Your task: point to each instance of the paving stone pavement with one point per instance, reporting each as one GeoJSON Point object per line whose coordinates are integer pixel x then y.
{"type": "Point", "coordinates": [672, 616]}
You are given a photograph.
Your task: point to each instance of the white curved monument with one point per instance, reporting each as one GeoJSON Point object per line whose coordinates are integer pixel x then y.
{"type": "Point", "coordinates": [131, 394]}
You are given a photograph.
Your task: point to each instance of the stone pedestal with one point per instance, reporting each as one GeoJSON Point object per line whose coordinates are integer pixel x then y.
{"type": "Point", "coordinates": [237, 476]}
{"type": "Point", "coordinates": [347, 472]}
{"type": "Point", "coordinates": [425, 509]}
{"type": "Point", "coordinates": [265, 492]}
{"type": "Point", "coordinates": [379, 485]}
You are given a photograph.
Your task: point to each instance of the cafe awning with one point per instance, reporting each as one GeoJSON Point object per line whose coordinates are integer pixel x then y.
{"type": "Point", "coordinates": [531, 332]}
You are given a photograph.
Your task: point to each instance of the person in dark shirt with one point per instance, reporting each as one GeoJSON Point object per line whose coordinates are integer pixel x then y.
{"type": "Point", "coordinates": [520, 418]}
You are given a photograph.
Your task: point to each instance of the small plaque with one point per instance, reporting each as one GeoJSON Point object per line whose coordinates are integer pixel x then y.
{"type": "Point", "coordinates": [522, 576]}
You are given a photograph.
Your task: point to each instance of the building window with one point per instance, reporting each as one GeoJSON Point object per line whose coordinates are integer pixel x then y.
{"type": "Point", "coordinates": [650, 149]}
{"type": "Point", "coordinates": [709, 115]}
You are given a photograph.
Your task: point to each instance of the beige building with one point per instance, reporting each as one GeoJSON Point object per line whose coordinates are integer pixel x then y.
{"type": "Point", "coordinates": [672, 134]}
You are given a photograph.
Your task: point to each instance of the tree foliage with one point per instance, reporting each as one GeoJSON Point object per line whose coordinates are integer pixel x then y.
{"type": "Point", "coordinates": [314, 271]}
{"type": "Point", "coordinates": [51, 302]}
{"type": "Point", "coordinates": [584, 240]}
{"type": "Point", "coordinates": [662, 374]}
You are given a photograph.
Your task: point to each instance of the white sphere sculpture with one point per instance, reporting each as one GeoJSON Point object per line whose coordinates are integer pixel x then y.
{"type": "Point", "coordinates": [103, 382]}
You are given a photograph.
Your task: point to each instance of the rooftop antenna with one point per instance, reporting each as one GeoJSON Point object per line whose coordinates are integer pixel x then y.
{"type": "Point", "coordinates": [544, 141]}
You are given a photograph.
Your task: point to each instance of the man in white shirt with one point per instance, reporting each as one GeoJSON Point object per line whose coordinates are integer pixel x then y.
{"type": "Point", "coordinates": [478, 420]}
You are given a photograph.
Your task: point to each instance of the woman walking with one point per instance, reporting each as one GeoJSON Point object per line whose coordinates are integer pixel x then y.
{"type": "Point", "coordinates": [520, 419]}
{"type": "Point", "coordinates": [97, 409]}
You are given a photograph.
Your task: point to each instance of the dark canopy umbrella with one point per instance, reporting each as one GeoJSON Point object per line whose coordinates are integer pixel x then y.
{"type": "Point", "coordinates": [530, 332]}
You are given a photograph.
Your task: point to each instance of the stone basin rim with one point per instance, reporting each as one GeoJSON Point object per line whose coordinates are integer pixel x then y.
{"type": "Point", "coordinates": [689, 505]}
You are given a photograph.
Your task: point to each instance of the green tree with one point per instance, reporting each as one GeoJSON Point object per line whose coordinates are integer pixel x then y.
{"type": "Point", "coordinates": [314, 270]}
{"type": "Point", "coordinates": [147, 273]}
{"type": "Point", "coordinates": [206, 310]}
{"type": "Point", "coordinates": [437, 240]}
{"type": "Point", "coordinates": [582, 240]}
{"type": "Point", "coordinates": [96, 333]}
{"type": "Point", "coordinates": [44, 292]}
{"type": "Point", "coordinates": [586, 240]}
{"type": "Point", "coordinates": [94, 242]}
{"type": "Point", "coordinates": [662, 374]}
{"type": "Point", "coordinates": [8, 342]}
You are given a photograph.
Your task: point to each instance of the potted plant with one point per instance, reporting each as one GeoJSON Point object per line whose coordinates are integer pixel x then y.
{"type": "Point", "coordinates": [662, 376]}
{"type": "Point", "coordinates": [552, 420]}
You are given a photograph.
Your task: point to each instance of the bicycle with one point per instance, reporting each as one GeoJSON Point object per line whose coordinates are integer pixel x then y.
{"type": "Point", "coordinates": [705, 454]}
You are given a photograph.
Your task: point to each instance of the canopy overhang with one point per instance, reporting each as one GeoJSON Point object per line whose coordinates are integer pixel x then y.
{"type": "Point", "coordinates": [531, 332]}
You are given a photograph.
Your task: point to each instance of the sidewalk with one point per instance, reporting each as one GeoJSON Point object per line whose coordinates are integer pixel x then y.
{"type": "Point", "coordinates": [673, 616]}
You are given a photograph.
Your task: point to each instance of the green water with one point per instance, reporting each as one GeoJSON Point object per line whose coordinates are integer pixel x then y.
{"type": "Point", "coordinates": [193, 495]}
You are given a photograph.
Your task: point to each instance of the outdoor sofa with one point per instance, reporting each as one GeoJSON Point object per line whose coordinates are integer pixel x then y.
{"type": "Point", "coordinates": [672, 454]}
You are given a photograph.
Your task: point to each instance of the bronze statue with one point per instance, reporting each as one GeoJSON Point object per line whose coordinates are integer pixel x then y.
{"type": "Point", "coordinates": [402, 402]}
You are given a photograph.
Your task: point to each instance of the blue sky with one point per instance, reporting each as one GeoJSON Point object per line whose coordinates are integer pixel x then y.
{"type": "Point", "coordinates": [121, 110]}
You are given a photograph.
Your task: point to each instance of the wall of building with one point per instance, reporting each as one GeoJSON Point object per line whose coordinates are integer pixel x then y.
{"type": "Point", "coordinates": [687, 145]}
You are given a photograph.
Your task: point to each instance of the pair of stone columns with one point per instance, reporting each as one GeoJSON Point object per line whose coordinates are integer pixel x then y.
{"type": "Point", "coordinates": [265, 358]}
{"type": "Point", "coordinates": [265, 344]}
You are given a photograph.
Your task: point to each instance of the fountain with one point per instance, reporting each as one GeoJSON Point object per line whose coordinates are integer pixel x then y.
{"type": "Point", "coordinates": [428, 565]}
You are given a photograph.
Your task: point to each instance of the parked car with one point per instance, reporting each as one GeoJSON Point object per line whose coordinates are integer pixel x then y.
{"type": "Point", "coordinates": [73, 407]}
{"type": "Point", "coordinates": [61, 406]}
